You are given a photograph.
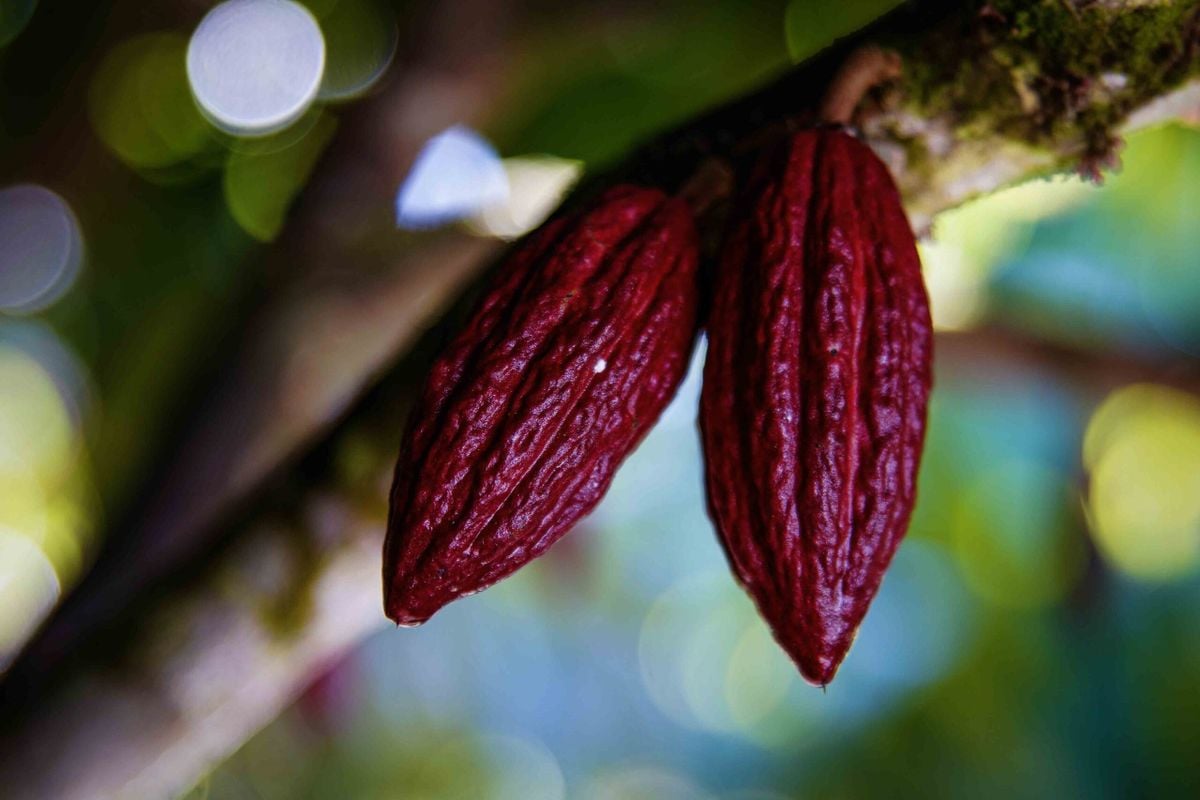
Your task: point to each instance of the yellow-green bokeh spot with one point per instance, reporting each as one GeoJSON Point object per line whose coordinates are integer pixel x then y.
{"type": "Point", "coordinates": [1142, 450]}
{"type": "Point", "coordinates": [46, 498]}
{"type": "Point", "coordinates": [36, 431]}
{"type": "Point", "coordinates": [260, 184]}
{"type": "Point", "coordinates": [971, 241]}
{"type": "Point", "coordinates": [28, 590]}
{"type": "Point", "coordinates": [360, 40]}
{"type": "Point", "coordinates": [140, 104]}
{"type": "Point", "coordinates": [757, 677]}
{"type": "Point", "coordinates": [1014, 539]}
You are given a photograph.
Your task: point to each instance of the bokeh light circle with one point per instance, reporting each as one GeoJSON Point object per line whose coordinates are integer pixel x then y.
{"type": "Point", "coordinates": [260, 183]}
{"type": "Point", "coordinates": [255, 66]}
{"type": "Point", "coordinates": [708, 661]}
{"type": "Point", "coordinates": [635, 783]}
{"type": "Point", "coordinates": [14, 16]}
{"type": "Point", "coordinates": [457, 173]}
{"type": "Point", "coordinates": [42, 248]}
{"type": "Point", "coordinates": [1017, 554]}
{"type": "Point", "coordinates": [360, 39]}
{"type": "Point", "coordinates": [919, 627]}
{"type": "Point", "coordinates": [491, 765]}
{"type": "Point", "coordinates": [36, 425]}
{"type": "Point", "coordinates": [140, 104]}
{"type": "Point", "coordinates": [758, 676]}
{"type": "Point", "coordinates": [46, 494]}
{"type": "Point", "coordinates": [29, 588]}
{"type": "Point", "coordinates": [536, 186]}
{"type": "Point", "coordinates": [1142, 449]}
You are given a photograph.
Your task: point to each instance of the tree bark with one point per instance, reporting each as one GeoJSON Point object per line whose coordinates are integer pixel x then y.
{"type": "Point", "coordinates": [992, 94]}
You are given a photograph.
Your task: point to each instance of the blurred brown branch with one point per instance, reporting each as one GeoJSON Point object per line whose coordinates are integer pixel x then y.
{"type": "Point", "coordinates": [258, 602]}
{"type": "Point", "coordinates": [346, 295]}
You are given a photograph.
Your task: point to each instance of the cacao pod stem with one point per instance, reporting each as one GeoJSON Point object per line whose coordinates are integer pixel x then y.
{"type": "Point", "coordinates": [863, 69]}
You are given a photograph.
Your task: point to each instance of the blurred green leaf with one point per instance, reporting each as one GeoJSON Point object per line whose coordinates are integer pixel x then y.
{"type": "Point", "coordinates": [811, 25]}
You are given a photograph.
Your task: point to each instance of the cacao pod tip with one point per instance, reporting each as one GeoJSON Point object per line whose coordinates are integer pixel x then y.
{"type": "Point", "coordinates": [401, 613]}
{"type": "Point", "coordinates": [819, 680]}
{"type": "Point", "coordinates": [416, 624]}
{"type": "Point", "coordinates": [822, 670]}
{"type": "Point", "coordinates": [819, 656]}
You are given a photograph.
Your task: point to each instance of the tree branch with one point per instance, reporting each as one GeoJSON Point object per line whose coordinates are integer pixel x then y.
{"type": "Point", "coordinates": [337, 311]}
{"type": "Point", "coordinates": [992, 94]}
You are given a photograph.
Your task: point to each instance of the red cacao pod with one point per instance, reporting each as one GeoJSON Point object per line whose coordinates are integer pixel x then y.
{"type": "Point", "coordinates": [573, 352]}
{"type": "Point", "coordinates": [815, 390]}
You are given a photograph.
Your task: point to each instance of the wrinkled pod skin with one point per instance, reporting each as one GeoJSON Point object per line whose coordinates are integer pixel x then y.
{"type": "Point", "coordinates": [578, 344]}
{"type": "Point", "coordinates": [815, 390]}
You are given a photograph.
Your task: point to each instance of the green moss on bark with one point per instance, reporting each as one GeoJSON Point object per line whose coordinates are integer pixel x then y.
{"type": "Point", "coordinates": [1050, 73]}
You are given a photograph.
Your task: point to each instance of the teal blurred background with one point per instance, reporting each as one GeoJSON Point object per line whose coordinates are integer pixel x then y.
{"type": "Point", "coordinates": [1037, 635]}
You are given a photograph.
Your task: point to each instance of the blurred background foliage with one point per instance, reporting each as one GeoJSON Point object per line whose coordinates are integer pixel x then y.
{"type": "Point", "coordinates": [1038, 634]}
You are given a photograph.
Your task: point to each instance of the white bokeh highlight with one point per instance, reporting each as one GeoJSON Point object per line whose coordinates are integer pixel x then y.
{"type": "Point", "coordinates": [456, 174]}
{"type": "Point", "coordinates": [537, 185]}
{"type": "Point", "coordinates": [255, 66]}
{"type": "Point", "coordinates": [41, 248]}
{"type": "Point", "coordinates": [29, 588]}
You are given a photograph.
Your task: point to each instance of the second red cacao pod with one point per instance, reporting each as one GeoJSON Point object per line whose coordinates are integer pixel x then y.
{"type": "Point", "coordinates": [815, 390]}
{"type": "Point", "coordinates": [574, 351]}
